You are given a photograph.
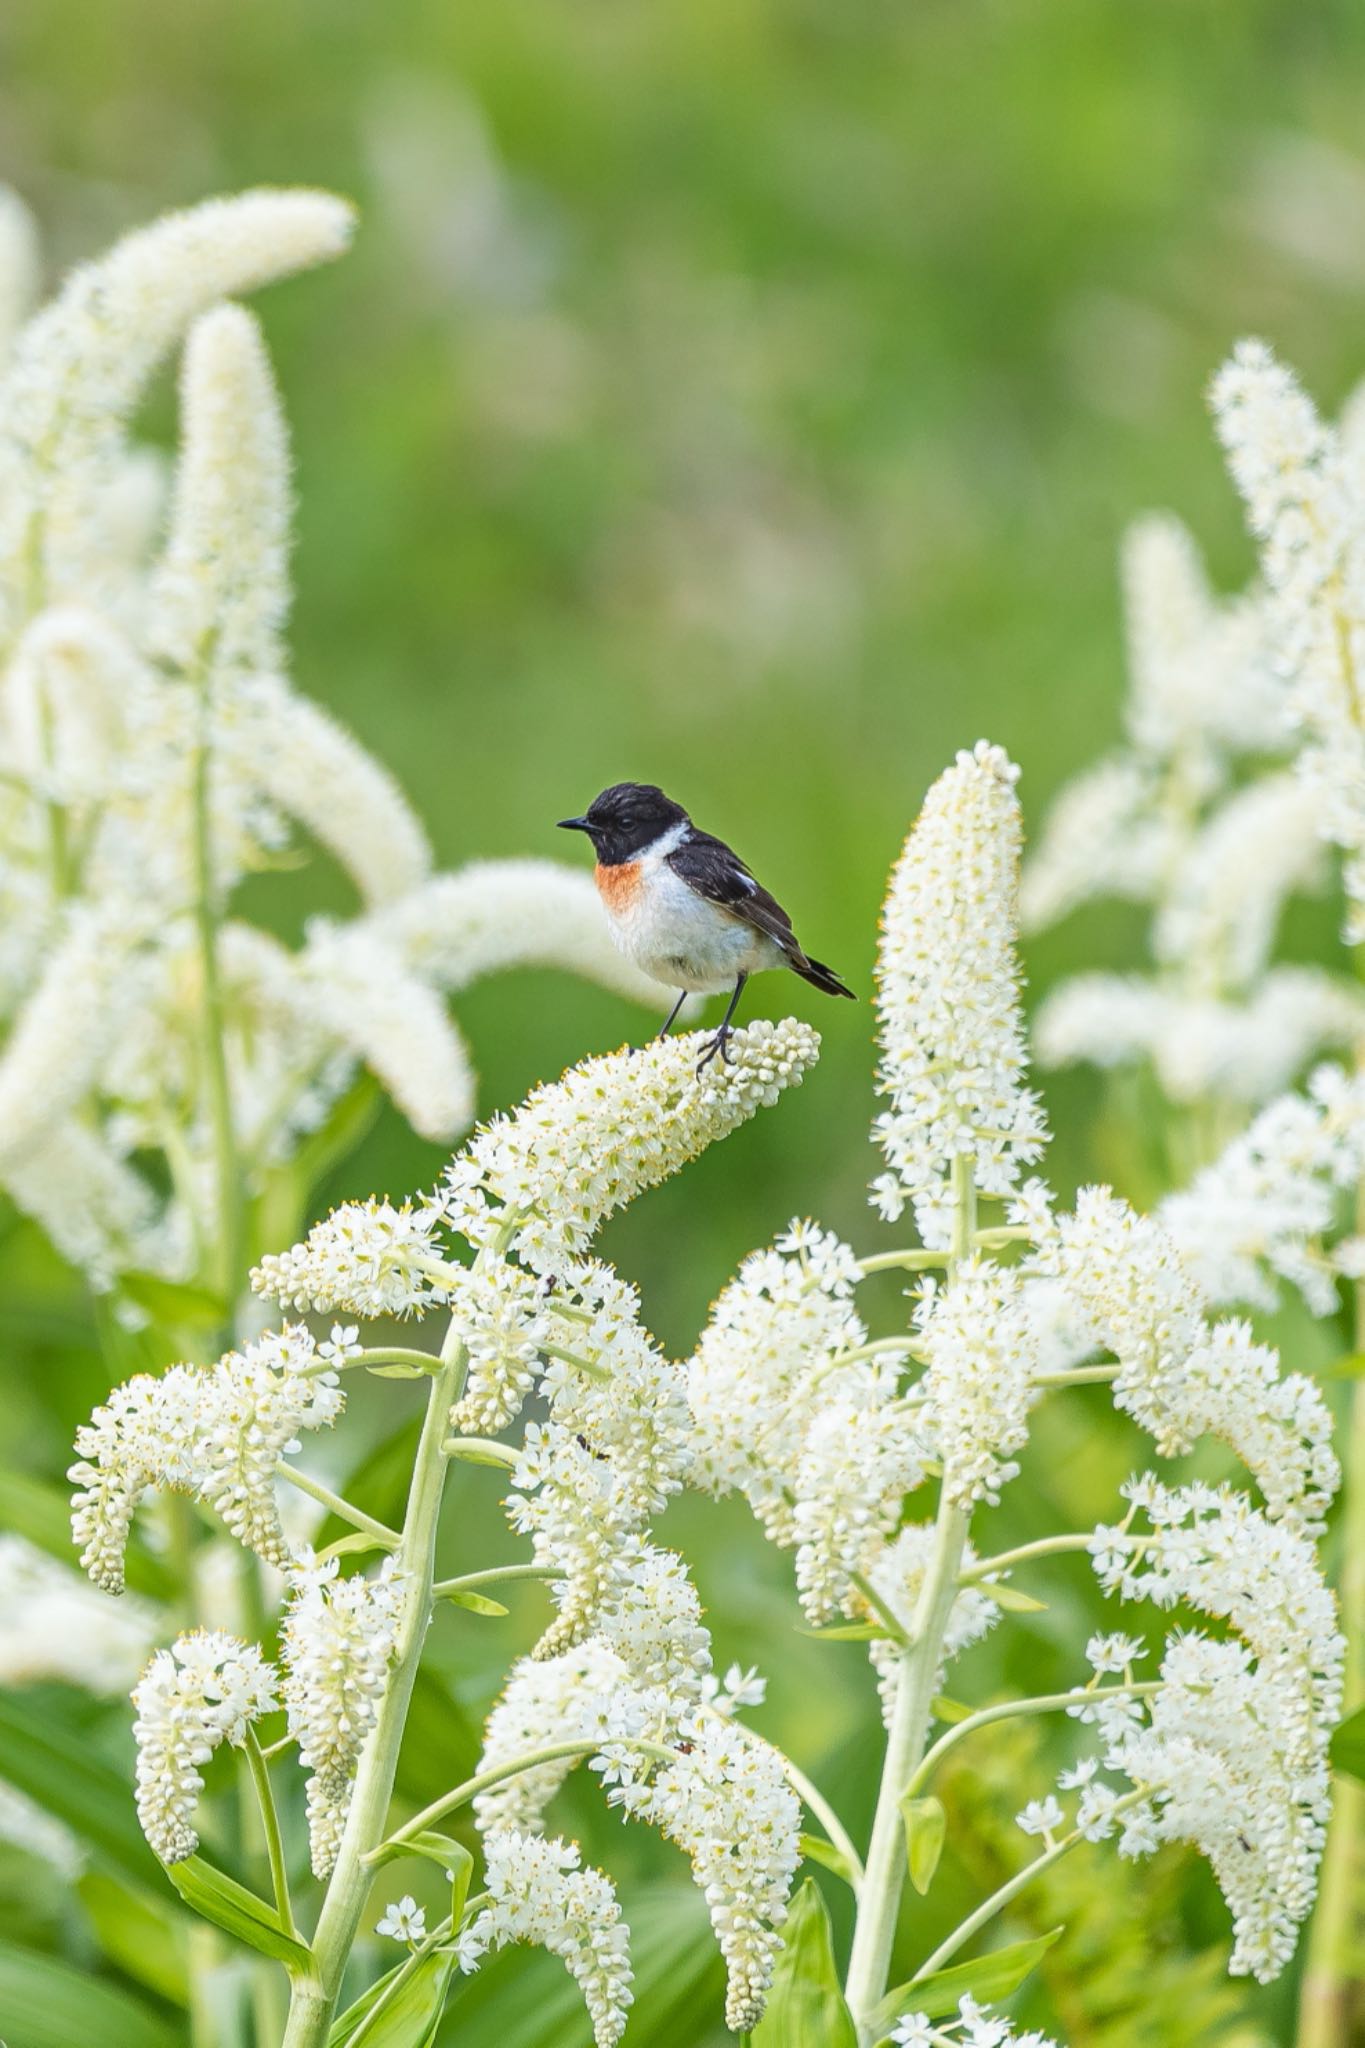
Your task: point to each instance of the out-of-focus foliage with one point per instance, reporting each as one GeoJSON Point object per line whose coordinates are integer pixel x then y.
{"type": "Point", "coordinates": [746, 396]}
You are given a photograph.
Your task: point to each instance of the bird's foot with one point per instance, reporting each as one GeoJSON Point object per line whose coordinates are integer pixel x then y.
{"type": "Point", "coordinates": [719, 1044]}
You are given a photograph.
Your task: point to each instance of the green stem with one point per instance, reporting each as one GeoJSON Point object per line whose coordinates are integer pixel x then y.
{"type": "Point", "coordinates": [270, 1821]}
{"type": "Point", "coordinates": [913, 1261]}
{"type": "Point", "coordinates": [498, 1774]}
{"type": "Point", "coordinates": [382, 1354]}
{"type": "Point", "coordinates": [313, 1998]}
{"type": "Point", "coordinates": [1007, 1710]}
{"type": "Point", "coordinates": [879, 1897]}
{"type": "Point", "coordinates": [1077, 1376]}
{"type": "Point", "coordinates": [1005, 1560]}
{"type": "Point", "coordinates": [895, 1627]}
{"type": "Point", "coordinates": [588, 1366]}
{"type": "Point", "coordinates": [495, 1574]}
{"type": "Point", "coordinates": [998, 1900]}
{"type": "Point", "coordinates": [388, 1539]}
{"type": "Point", "coordinates": [481, 1450]}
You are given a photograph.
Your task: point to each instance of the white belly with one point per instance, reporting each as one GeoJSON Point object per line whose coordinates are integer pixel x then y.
{"type": "Point", "coordinates": [678, 938]}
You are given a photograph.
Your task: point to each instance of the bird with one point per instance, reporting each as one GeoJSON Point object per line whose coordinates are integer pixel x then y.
{"type": "Point", "coordinates": [684, 907]}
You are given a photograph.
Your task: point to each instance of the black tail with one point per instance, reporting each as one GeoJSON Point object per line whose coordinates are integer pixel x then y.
{"type": "Point", "coordinates": [822, 977]}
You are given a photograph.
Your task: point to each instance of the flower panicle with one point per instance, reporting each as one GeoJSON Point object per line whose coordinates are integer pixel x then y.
{"type": "Point", "coordinates": [953, 1051]}
{"type": "Point", "coordinates": [206, 1689]}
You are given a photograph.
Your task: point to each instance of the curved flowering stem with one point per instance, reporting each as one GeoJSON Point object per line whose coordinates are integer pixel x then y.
{"type": "Point", "coordinates": [380, 1354]}
{"type": "Point", "coordinates": [387, 1538]}
{"type": "Point", "coordinates": [881, 1608]}
{"type": "Point", "coordinates": [472, 1582]}
{"type": "Point", "coordinates": [1005, 1560]}
{"type": "Point", "coordinates": [914, 1260]}
{"type": "Point", "coordinates": [879, 1899]}
{"type": "Point", "coordinates": [498, 1774]}
{"type": "Point", "coordinates": [313, 1998]}
{"type": "Point", "coordinates": [270, 1821]}
{"type": "Point", "coordinates": [998, 1900]}
{"type": "Point", "coordinates": [1008, 1710]}
{"type": "Point", "coordinates": [1077, 1376]}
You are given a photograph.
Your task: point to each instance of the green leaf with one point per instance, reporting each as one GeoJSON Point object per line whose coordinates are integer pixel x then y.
{"type": "Point", "coordinates": [1349, 1366]}
{"type": "Point", "coordinates": [849, 1632]}
{"type": "Point", "coordinates": [926, 1824]}
{"type": "Point", "coordinates": [175, 1304]}
{"type": "Point", "coordinates": [45, 2003]}
{"type": "Point", "coordinates": [60, 1772]}
{"type": "Point", "coordinates": [477, 1603]}
{"type": "Point", "coordinates": [944, 1709]}
{"type": "Point", "coordinates": [816, 1849]}
{"type": "Point", "coordinates": [237, 1911]}
{"type": "Point", "coordinates": [397, 1372]}
{"type": "Point", "coordinates": [806, 2007]}
{"type": "Point", "coordinates": [988, 1978]}
{"type": "Point", "coordinates": [1348, 1745]}
{"type": "Point", "coordinates": [145, 1936]}
{"type": "Point", "coordinates": [410, 2018]}
{"type": "Point", "coordinates": [1009, 1599]}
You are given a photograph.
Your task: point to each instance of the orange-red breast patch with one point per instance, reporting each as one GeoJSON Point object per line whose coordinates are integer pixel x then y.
{"type": "Point", "coordinates": [619, 886]}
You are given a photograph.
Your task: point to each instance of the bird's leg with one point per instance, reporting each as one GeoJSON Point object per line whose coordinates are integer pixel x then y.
{"type": "Point", "coordinates": [721, 1039]}
{"type": "Point", "coordinates": [672, 1015]}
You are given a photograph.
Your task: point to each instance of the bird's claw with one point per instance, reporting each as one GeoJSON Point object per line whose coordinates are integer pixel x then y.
{"type": "Point", "coordinates": [719, 1044]}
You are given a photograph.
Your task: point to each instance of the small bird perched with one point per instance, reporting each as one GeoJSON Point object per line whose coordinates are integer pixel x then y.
{"type": "Point", "coordinates": [684, 907]}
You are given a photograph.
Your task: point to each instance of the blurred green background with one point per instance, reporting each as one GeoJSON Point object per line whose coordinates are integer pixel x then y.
{"type": "Point", "coordinates": [747, 397]}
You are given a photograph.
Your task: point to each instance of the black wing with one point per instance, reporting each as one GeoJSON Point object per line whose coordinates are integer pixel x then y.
{"type": "Point", "coordinates": [715, 871]}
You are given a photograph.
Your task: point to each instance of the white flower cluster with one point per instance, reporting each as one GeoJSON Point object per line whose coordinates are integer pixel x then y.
{"type": "Point", "coordinates": [206, 1689]}
{"type": "Point", "coordinates": [215, 1432]}
{"type": "Point", "coordinates": [972, 2026]}
{"type": "Point", "coordinates": [142, 683]}
{"type": "Point", "coordinates": [1179, 1376]}
{"type": "Point", "coordinates": [728, 1806]}
{"type": "Point", "coordinates": [898, 1576]}
{"type": "Point", "coordinates": [1233, 1748]}
{"type": "Point", "coordinates": [505, 1321]}
{"type": "Point", "coordinates": [1200, 1045]}
{"type": "Point", "coordinates": [953, 1054]}
{"type": "Point", "coordinates": [336, 1646]}
{"type": "Point", "coordinates": [611, 1452]}
{"type": "Point", "coordinates": [1305, 506]}
{"type": "Point", "coordinates": [538, 1893]}
{"type": "Point", "coordinates": [821, 1444]}
{"type": "Point", "coordinates": [366, 1257]}
{"type": "Point", "coordinates": [582, 1147]}
{"type": "Point", "coordinates": [723, 1799]}
{"type": "Point", "coordinates": [1179, 821]}
{"type": "Point", "coordinates": [978, 1335]}
{"type": "Point", "coordinates": [1261, 1210]}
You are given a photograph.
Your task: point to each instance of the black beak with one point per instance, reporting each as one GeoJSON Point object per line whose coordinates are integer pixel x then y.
{"type": "Point", "coordinates": [574, 825]}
